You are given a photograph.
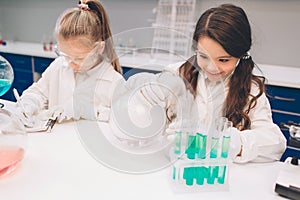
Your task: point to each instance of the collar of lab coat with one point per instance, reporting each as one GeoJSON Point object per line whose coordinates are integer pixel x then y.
{"type": "Point", "coordinates": [100, 68]}
{"type": "Point", "coordinates": [210, 83]}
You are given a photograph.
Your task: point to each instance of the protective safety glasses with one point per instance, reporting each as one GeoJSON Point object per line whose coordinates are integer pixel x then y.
{"type": "Point", "coordinates": [85, 62]}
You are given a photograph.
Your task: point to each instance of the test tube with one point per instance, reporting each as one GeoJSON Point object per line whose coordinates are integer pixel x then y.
{"type": "Point", "coordinates": [188, 172]}
{"type": "Point", "coordinates": [213, 170]}
{"type": "Point", "coordinates": [201, 174]}
{"type": "Point", "coordinates": [226, 139]}
{"type": "Point", "coordinates": [224, 152]}
{"type": "Point", "coordinates": [201, 145]}
{"type": "Point", "coordinates": [174, 173]}
{"type": "Point", "coordinates": [191, 146]}
{"type": "Point", "coordinates": [177, 145]}
{"type": "Point", "coordinates": [221, 174]}
{"type": "Point", "coordinates": [212, 173]}
{"type": "Point", "coordinates": [188, 175]}
{"type": "Point", "coordinates": [218, 128]}
{"type": "Point", "coordinates": [214, 147]}
{"type": "Point", "coordinates": [225, 146]}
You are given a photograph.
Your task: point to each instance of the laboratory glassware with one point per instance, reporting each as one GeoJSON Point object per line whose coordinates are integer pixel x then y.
{"type": "Point", "coordinates": [12, 131]}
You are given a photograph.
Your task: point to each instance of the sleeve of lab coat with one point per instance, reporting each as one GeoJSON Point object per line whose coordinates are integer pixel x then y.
{"type": "Point", "coordinates": [36, 96]}
{"type": "Point", "coordinates": [264, 141]}
{"type": "Point", "coordinates": [145, 91]}
{"type": "Point", "coordinates": [164, 89]}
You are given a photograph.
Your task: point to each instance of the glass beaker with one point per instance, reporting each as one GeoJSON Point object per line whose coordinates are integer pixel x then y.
{"type": "Point", "coordinates": [13, 139]}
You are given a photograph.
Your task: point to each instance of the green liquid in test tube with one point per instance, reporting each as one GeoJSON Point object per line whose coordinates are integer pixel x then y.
{"type": "Point", "coordinates": [214, 147]}
{"type": "Point", "coordinates": [188, 175]}
{"type": "Point", "coordinates": [201, 174]}
{"type": "Point", "coordinates": [188, 172]}
{"type": "Point", "coordinates": [224, 154]}
{"type": "Point", "coordinates": [225, 146]}
{"type": "Point", "coordinates": [191, 146]}
{"type": "Point", "coordinates": [213, 170]}
{"type": "Point", "coordinates": [212, 173]}
{"type": "Point", "coordinates": [201, 145]}
{"type": "Point", "coordinates": [222, 173]}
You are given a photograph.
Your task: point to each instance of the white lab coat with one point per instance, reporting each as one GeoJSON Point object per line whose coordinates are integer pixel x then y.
{"type": "Point", "coordinates": [85, 95]}
{"type": "Point", "coordinates": [263, 141]}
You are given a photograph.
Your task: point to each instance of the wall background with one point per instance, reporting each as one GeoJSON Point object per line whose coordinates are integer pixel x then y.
{"type": "Point", "coordinates": [275, 25]}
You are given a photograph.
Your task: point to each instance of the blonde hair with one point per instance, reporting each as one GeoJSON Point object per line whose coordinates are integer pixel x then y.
{"type": "Point", "coordinates": [92, 24]}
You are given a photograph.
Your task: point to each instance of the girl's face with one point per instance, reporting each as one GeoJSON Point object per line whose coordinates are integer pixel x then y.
{"type": "Point", "coordinates": [78, 56]}
{"type": "Point", "coordinates": [216, 63]}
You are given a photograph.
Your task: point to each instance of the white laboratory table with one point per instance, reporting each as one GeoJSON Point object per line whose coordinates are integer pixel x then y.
{"type": "Point", "coordinates": [57, 166]}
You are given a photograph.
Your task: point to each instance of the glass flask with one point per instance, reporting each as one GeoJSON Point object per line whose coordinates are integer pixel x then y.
{"type": "Point", "coordinates": [6, 75]}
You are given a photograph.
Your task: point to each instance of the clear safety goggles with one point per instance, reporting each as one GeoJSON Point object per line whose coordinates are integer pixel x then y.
{"type": "Point", "coordinates": [85, 62]}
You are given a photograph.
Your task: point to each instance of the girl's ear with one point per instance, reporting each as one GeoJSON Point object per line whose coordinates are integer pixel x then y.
{"type": "Point", "coordinates": [102, 47]}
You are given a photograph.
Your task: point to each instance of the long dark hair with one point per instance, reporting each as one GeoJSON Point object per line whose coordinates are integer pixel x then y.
{"type": "Point", "coordinates": [228, 25]}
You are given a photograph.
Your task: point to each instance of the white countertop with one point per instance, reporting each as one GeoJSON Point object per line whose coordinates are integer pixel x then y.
{"type": "Point", "coordinates": [275, 75]}
{"type": "Point", "coordinates": [281, 75]}
{"type": "Point", "coordinates": [26, 48]}
{"type": "Point", "coordinates": [58, 165]}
